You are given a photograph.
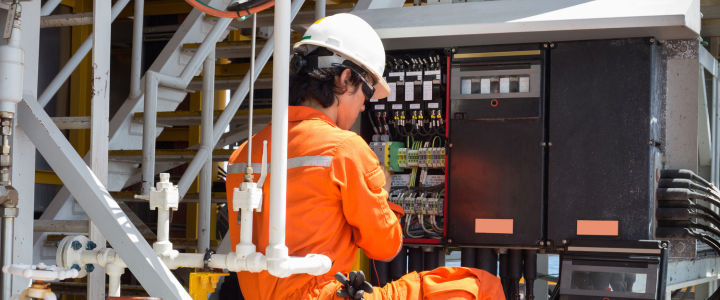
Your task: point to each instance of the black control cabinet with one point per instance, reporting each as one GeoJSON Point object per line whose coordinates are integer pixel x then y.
{"type": "Point", "coordinates": [604, 113]}
{"type": "Point", "coordinates": [496, 127]}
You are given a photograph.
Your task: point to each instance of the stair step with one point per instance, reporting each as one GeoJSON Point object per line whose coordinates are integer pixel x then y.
{"type": "Point", "coordinates": [189, 118]}
{"type": "Point", "coordinates": [264, 81]}
{"type": "Point", "coordinates": [169, 155]}
{"type": "Point", "coordinates": [240, 49]}
{"type": "Point", "coordinates": [189, 197]}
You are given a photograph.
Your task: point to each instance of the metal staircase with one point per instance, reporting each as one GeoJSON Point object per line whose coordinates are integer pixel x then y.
{"type": "Point", "coordinates": [126, 127]}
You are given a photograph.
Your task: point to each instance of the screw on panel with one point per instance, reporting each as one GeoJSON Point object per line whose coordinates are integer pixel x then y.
{"type": "Point", "coordinates": [564, 241]}
{"type": "Point", "coordinates": [89, 268]}
{"type": "Point", "coordinates": [75, 267]}
{"type": "Point", "coordinates": [57, 244]}
{"type": "Point", "coordinates": [450, 145]}
{"type": "Point", "coordinates": [91, 245]}
{"type": "Point", "coordinates": [545, 45]}
{"type": "Point", "coordinates": [76, 245]}
{"type": "Point", "coordinates": [664, 245]}
{"type": "Point", "coordinates": [542, 243]}
{"type": "Point", "coordinates": [450, 241]}
{"type": "Point", "coordinates": [552, 45]}
{"type": "Point", "coordinates": [549, 143]}
{"type": "Point", "coordinates": [543, 144]}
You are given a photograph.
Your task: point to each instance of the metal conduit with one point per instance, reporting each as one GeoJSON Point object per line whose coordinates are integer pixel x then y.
{"type": "Point", "coordinates": [206, 123]}
{"type": "Point", "coordinates": [152, 82]}
{"type": "Point", "coordinates": [137, 41]}
{"type": "Point", "coordinates": [194, 167]}
{"type": "Point", "coordinates": [75, 60]}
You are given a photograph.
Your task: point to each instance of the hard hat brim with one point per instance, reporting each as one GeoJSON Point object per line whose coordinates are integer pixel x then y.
{"type": "Point", "coordinates": [382, 89]}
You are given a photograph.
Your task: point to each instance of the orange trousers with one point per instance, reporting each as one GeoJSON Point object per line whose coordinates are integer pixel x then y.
{"type": "Point", "coordinates": [439, 284]}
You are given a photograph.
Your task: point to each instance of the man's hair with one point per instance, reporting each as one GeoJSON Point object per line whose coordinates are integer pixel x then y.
{"type": "Point", "coordinates": [320, 84]}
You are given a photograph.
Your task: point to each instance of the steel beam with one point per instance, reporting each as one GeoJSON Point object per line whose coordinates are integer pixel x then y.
{"type": "Point", "coordinates": [97, 202]}
{"type": "Point", "coordinates": [99, 119]}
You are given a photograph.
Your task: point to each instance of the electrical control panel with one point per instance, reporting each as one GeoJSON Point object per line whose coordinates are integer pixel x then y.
{"type": "Point", "coordinates": [407, 132]}
{"type": "Point", "coordinates": [495, 173]}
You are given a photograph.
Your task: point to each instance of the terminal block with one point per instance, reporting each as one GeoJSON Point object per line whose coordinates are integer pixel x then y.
{"type": "Point", "coordinates": [402, 157]}
{"type": "Point", "coordinates": [431, 157]}
{"type": "Point", "coordinates": [434, 206]}
{"type": "Point", "coordinates": [419, 205]}
{"type": "Point", "coordinates": [412, 158]}
{"type": "Point", "coordinates": [409, 205]}
{"type": "Point", "coordinates": [387, 153]}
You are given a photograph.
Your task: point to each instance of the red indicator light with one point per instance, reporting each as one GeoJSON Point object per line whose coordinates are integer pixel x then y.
{"type": "Point", "coordinates": [494, 102]}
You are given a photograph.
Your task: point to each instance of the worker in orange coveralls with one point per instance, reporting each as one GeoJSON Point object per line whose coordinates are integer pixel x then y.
{"type": "Point", "coordinates": [337, 191]}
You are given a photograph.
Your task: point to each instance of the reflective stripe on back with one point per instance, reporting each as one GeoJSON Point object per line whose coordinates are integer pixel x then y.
{"type": "Point", "coordinates": [295, 162]}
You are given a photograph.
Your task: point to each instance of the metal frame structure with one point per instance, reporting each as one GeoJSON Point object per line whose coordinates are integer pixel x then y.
{"type": "Point", "coordinates": [88, 181]}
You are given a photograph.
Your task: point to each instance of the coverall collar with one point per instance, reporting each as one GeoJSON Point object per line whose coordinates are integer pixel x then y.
{"type": "Point", "coordinates": [301, 113]}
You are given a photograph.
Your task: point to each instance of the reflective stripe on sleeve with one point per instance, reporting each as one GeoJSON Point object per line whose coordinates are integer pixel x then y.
{"type": "Point", "coordinates": [295, 162]}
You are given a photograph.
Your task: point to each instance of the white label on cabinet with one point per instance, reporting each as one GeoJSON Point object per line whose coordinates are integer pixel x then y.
{"type": "Point", "coordinates": [504, 85]}
{"type": "Point", "coordinates": [393, 90]}
{"type": "Point", "coordinates": [485, 86]}
{"type": "Point", "coordinates": [427, 90]}
{"type": "Point", "coordinates": [409, 91]}
{"type": "Point", "coordinates": [465, 86]}
{"type": "Point", "coordinates": [524, 84]}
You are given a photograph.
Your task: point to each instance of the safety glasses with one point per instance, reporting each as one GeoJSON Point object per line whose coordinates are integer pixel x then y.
{"type": "Point", "coordinates": [367, 89]}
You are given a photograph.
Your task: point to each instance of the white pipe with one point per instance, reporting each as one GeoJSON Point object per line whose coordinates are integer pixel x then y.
{"type": "Point", "coordinates": [114, 273]}
{"type": "Point", "coordinates": [149, 119]}
{"type": "Point", "coordinates": [230, 109]}
{"type": "Point", "coordinates": [206, 118]}
{"type": "Point", "coordinates": [246, 246]}
{"type": "Point", "coordinates": [252, 96]}
{"type": "Point", "coordinates": [75, 60]}
{"type": "Point", "coordinates": [49, 7]}
{"type": "Point", "coordinates": [162, 245]}
{"type": "Point", "coordinates": [136, 67]}
{"type": "Point", "coordinates": [276, 251]}
{"type": "Point", "coordinates": [152, 81]}
{"type": "Point", "coordinates": [319, 9]}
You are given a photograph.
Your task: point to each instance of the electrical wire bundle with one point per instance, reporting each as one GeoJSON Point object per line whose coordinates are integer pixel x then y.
{"type": "Point", "coordinates": [677, 192]}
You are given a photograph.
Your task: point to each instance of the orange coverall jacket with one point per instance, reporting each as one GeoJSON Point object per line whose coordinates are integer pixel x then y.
{"type": "Point", "coordinates": [335, 203]}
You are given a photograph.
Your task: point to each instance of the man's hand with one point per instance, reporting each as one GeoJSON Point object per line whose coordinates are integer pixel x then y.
{"type": "Point", "coordinates": [354, 287]}
{"type": "Point", "coordinates": [388, 180]}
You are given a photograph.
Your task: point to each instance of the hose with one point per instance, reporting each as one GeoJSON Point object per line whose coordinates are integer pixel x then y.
{"type": "Point", "coordinates": [201, 6]}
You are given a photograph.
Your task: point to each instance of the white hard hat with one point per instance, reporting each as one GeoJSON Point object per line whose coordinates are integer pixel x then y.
{"type": "Point", "coordinates": [350, 38]}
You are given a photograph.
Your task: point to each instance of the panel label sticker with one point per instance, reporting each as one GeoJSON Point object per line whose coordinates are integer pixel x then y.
{"type": "Point", "coordinates": [466, 85]}
{"type": "Point", "coordinates": [398, 74]}
{"type": "Point", "coordinates": [427, 90]}
{"type": "Point", "coordinates": [409, 91]}
{"type": "Point", "coordinates": [589, 227]}
{"type": "Point", "coordinates": [485, 86]}
{"type": "Point", "coordinates": [414, 105]}
{"type": "Point", "coordinates": [380, 106]}
{"type": "Point", "coordinates": [397, 106]}
{"type": "Point", "coordinates": [504, 85]}
{"type": "Point", "coordinates": [499, 226]}
{"type": "Point", "coordinates": [433, 105]}
{"type": "Point", "coordinates": [393, 89]}
{"type": "Point", "coordinates": [374, 100]}
{"type": "Point", "coordinates": [524, 84]}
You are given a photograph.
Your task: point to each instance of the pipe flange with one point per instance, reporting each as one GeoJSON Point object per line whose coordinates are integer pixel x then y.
{"type": "Point", "coordinates": [66, 256]}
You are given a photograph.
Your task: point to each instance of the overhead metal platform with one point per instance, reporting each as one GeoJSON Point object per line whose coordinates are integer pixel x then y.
{"type": "Point", "coordinates": [528, 21]}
